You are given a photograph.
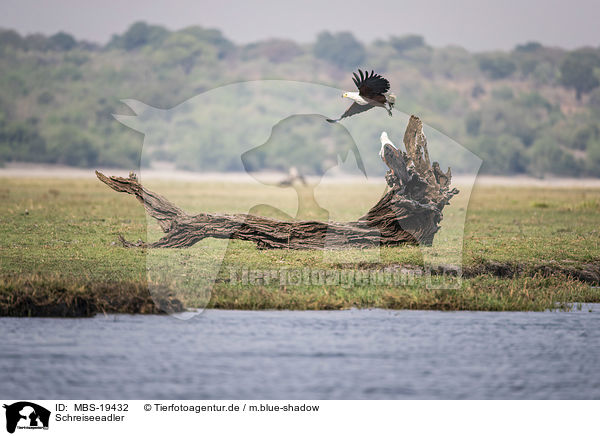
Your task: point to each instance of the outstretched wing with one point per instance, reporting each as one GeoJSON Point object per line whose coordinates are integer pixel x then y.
{"type": "Point", "coordinates": [354, 109]}
{"type": "Point", "coordinates": [370, 84]}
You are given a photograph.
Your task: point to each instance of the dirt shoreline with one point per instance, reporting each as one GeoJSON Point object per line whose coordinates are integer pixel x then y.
{"type": "Point", "coordinates": [38, 296]}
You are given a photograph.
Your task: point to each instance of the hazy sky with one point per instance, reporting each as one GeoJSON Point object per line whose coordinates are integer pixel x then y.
{"type": "Point", "coordinates": [474, 24]}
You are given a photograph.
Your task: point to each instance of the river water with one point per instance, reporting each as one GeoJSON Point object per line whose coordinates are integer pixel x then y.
{"type": "Point", "coordinates": [356, 354]}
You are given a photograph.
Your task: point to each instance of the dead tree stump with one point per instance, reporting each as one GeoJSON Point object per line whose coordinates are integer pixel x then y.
{"type": "Point", "coordinates": [409, 213]}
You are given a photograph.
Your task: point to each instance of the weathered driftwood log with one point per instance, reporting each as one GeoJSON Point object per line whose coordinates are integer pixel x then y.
{"type": "Point", "coordinates": [409, 213]}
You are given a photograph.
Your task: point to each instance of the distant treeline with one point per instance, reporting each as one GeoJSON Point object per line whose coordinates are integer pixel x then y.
{"type": "Point", "coordinates": [533, 110]}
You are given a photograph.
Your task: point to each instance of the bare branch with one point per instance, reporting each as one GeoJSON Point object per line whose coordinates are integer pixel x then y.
{"type": "Point", "coordinates": [409, 213]}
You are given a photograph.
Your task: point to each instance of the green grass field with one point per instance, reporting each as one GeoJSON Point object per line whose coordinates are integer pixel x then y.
{"type": "Point", "coordinates": [524, 249]}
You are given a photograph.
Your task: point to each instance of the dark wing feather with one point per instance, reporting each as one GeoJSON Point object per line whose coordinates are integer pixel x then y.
{"type": "Point", "coordinates": [371, 84]}
{"type": "Point", "coordinates": [354, 109]}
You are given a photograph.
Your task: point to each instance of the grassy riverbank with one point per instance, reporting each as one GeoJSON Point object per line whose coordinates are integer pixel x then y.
{"type": "Point", "coordinates": [524, 249]}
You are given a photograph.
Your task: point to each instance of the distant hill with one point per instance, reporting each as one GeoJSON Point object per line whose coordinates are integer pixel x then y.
{"type": "Point", "coordinates": [534, 110]}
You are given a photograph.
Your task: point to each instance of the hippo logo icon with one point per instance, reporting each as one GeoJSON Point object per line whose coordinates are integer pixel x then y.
{"type": "Point", "coordinates": [26, 415]}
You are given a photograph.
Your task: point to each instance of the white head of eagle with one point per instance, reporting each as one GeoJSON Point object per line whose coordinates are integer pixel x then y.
{"type": "Point", "coordinates": [384, 140]}
{"type": "Point", "coordinates": [372, 91]}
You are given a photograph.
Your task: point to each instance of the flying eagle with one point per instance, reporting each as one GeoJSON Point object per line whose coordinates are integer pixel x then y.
{"type": "Point", "coordinates": [372, 91]}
